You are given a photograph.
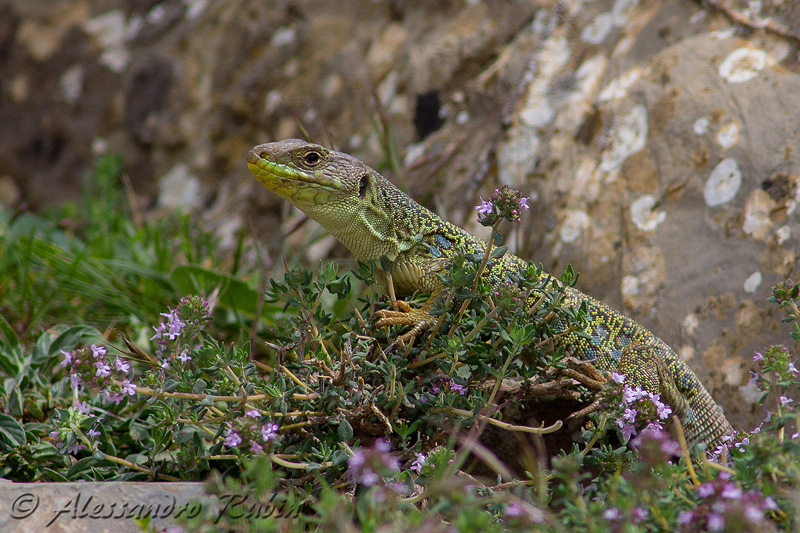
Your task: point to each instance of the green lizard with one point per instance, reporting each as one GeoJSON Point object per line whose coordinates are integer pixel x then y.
{"type": "Point", "coordinates": [373, 219]}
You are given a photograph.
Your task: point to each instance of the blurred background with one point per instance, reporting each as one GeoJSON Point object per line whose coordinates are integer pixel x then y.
{"type": "Point", "coordinates": [658, 140]}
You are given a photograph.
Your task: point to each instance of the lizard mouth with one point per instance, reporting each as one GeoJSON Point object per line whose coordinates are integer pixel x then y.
{"type": "Point", "coordinates": [281, 176]}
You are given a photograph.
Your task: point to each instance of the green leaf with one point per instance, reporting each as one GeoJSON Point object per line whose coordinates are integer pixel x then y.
{"type": "Point", "coordinates": [8, 332]}
{"type": "Point", "coordinates": [234, 293]}
{"type": "Point", "coordinates": [497, 237]}
{"type": "Point", "coordinates": [52, 475]}
{"type": "Point", "coordinates": [345, 431]}
{"type": "Point", "coordinates": [499, 252]}
{"type": "Point", "coordinates": [199, 386]}
{"type": "Point", "coordinates": [70, 337]}
{"type": "Point", "coordinates": [12, 433]}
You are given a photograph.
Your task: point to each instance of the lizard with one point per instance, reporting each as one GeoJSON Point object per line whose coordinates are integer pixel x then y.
{"type": "Point", "coordinates": [373, 219]}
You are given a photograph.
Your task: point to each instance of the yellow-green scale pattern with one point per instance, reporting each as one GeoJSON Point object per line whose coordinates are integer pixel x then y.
{"type": "Point", "coordinates": [609, 332]}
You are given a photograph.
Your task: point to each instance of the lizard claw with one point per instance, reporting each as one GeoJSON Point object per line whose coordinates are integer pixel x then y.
{"type": "Point", "coordinates": [418, 319]}
{"type": "Point", "coordinates": [585, 373]}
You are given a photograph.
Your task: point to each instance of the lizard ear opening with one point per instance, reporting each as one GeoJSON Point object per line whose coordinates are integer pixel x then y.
{"type": "Point", "coordinates": [362, 186]}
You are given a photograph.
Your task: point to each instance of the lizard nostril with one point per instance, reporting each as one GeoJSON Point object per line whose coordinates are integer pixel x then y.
{"type": "Point", "coordinates": [254, 155]}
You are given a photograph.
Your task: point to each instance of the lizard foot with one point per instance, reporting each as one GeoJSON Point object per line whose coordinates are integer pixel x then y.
{"type": "Point", "coordinates": [418, 319]}
{"type": "Point", "coordinates": [584, 373]}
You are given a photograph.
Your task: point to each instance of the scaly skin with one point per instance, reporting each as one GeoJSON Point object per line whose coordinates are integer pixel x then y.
{"type": "Point", "coordinates": [373, 218]}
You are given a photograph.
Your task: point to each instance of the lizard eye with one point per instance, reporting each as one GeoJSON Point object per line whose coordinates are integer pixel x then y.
{"type": "Point", "coordinates": [362, 186]}
{"type": "Point", "coordinates": [312, 158]}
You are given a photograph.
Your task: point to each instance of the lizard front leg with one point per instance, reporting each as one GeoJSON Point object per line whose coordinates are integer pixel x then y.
{"type": "Point", "coordinates": [404, 278]}
{"type": "Point", "coordinates": [418, 319]}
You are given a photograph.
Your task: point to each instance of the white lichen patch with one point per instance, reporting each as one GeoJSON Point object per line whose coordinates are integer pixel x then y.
{"type": "Point", "coordinates": [538, 114]}
{"type": "Point", "coordinates": [728, 135]}
{"type": "Point", "coordinates": [686, 352]}
{"type": "Point", "coordinates": [597, 30]}
{"type": "Point", "coordinates": [283, 36]}
{"type": "Point", "coordinates": [783, 234]}
{"type": "Point", "coordinates": [517, 154]}
{"type": "Point", "coordinates": [752, 282]}
{"type": "Point", "coordinates": [723, 34]}
{"type": "Point", "coordinates": [644, 267]}
{"type": "Point", "coordinates": [622, 11]}
{"type": "Point", "coordinates": [700, 126]}
{"type": "Point", "coordinates": [71, 84]}
{"type": "Point", "coordinates": [742, 64]}
{"type": "Point", "coordinates": [110, 31]}
{"type": "Point", "coordinates": [179, 188]}
{"type": "Point", "coordinates": [628, 137]}
{"type": "Point", "coordinates": [195, 8]}
{"type": "Point", "coordinates": [757, 208]}
{"type": "Point", "coordinates": [732, 370]}
{"type": "Point", "coordinates": [690, 324]}
{"type": "Point", "coordinates": [574, 224]}
{"type": "Point", "coordinates": [618, 87]}
{"type": "Point", "coordinates": [642, 214]}
{"type": "Point", "coordinates": [272, 101]}
{"type": "Point", "coordinates": [751, 393]}
{"type": "Point", "coordinates": [585, 184]}
{"type": "Point", "coordinates": [723, 183]}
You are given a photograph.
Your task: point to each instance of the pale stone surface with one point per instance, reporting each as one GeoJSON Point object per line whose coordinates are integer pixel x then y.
{"type": "Point", "coordinates": [106, 506]}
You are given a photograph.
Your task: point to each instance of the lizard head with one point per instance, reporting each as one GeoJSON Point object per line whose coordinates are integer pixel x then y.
{"type": "Point", "coordinates": [344, 195]}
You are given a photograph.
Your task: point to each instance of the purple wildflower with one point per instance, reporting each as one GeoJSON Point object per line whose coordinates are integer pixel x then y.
{"type": "Point", "coordinates": [716, 522]}
{"type": "Point", "coordinates": [256, 447]}
{"type": "Point", "coordinates": [460, 389]}
{"type": "Point", "coordinates": [184, 357]}
{"type": "Point", "coordinates": [83, 407]}
{"type": "Point", "coordinates": [705, 490]}
{"type": "Point", "coordinates": [420, 461]}
{"type": "Point", "coordinates": [731, 492]}
{"type": "Point", "coordinates": [356, 460]}
{"type": "Point", "coordinates": [523, 202]}
{"type": "Point", "coordinates": [685, 518]}
{"type": "Point", "coordinates": [232, 439]}
{"type": "Point", "coordinates": [74, 381]}
{"type": "Point", "coordinates": [74, 448]}
{"type": "Point", "coordinates": [269, 432]}
{"type": "Point", "coordinates": [758, 356]}
{"type": "Point", "coordinates": [628, 431]}
{"type": "Point", "coordinates": [612, 513]}
{"type": "Point", "coordinates": [159, 332]}
{"type": "Point", "coordinates": [128, 387]}
{"type": "Point", "coordinates": [253, 413]}
{"type": "Point", "coordinates": [67, 359]}
{"type": "Point", "coordinates": [753, 513]}
{"type": "Point", "coordinates": [122, 365]}
{"type": "Point", "coordinates": [175, 323]}
{"type": "Point", "coordinates": [98, 351]}
{"type": "Point", "coordinates": [514, 510]}
{"type": "Point", "coordinates": [103, 370]}
{"type": "Point", "coordinates": [638, 514]}
{"type": "Point", "coordinates": [112, 397]}
{"type": "Point", "coordinates": [616, 377]}
{"type": "Point", "coordinates": [485, 208]}
{"type": "Point", "coordinates": [93, 433]}
{"type": "Point", "coordinates": [368, 478]}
